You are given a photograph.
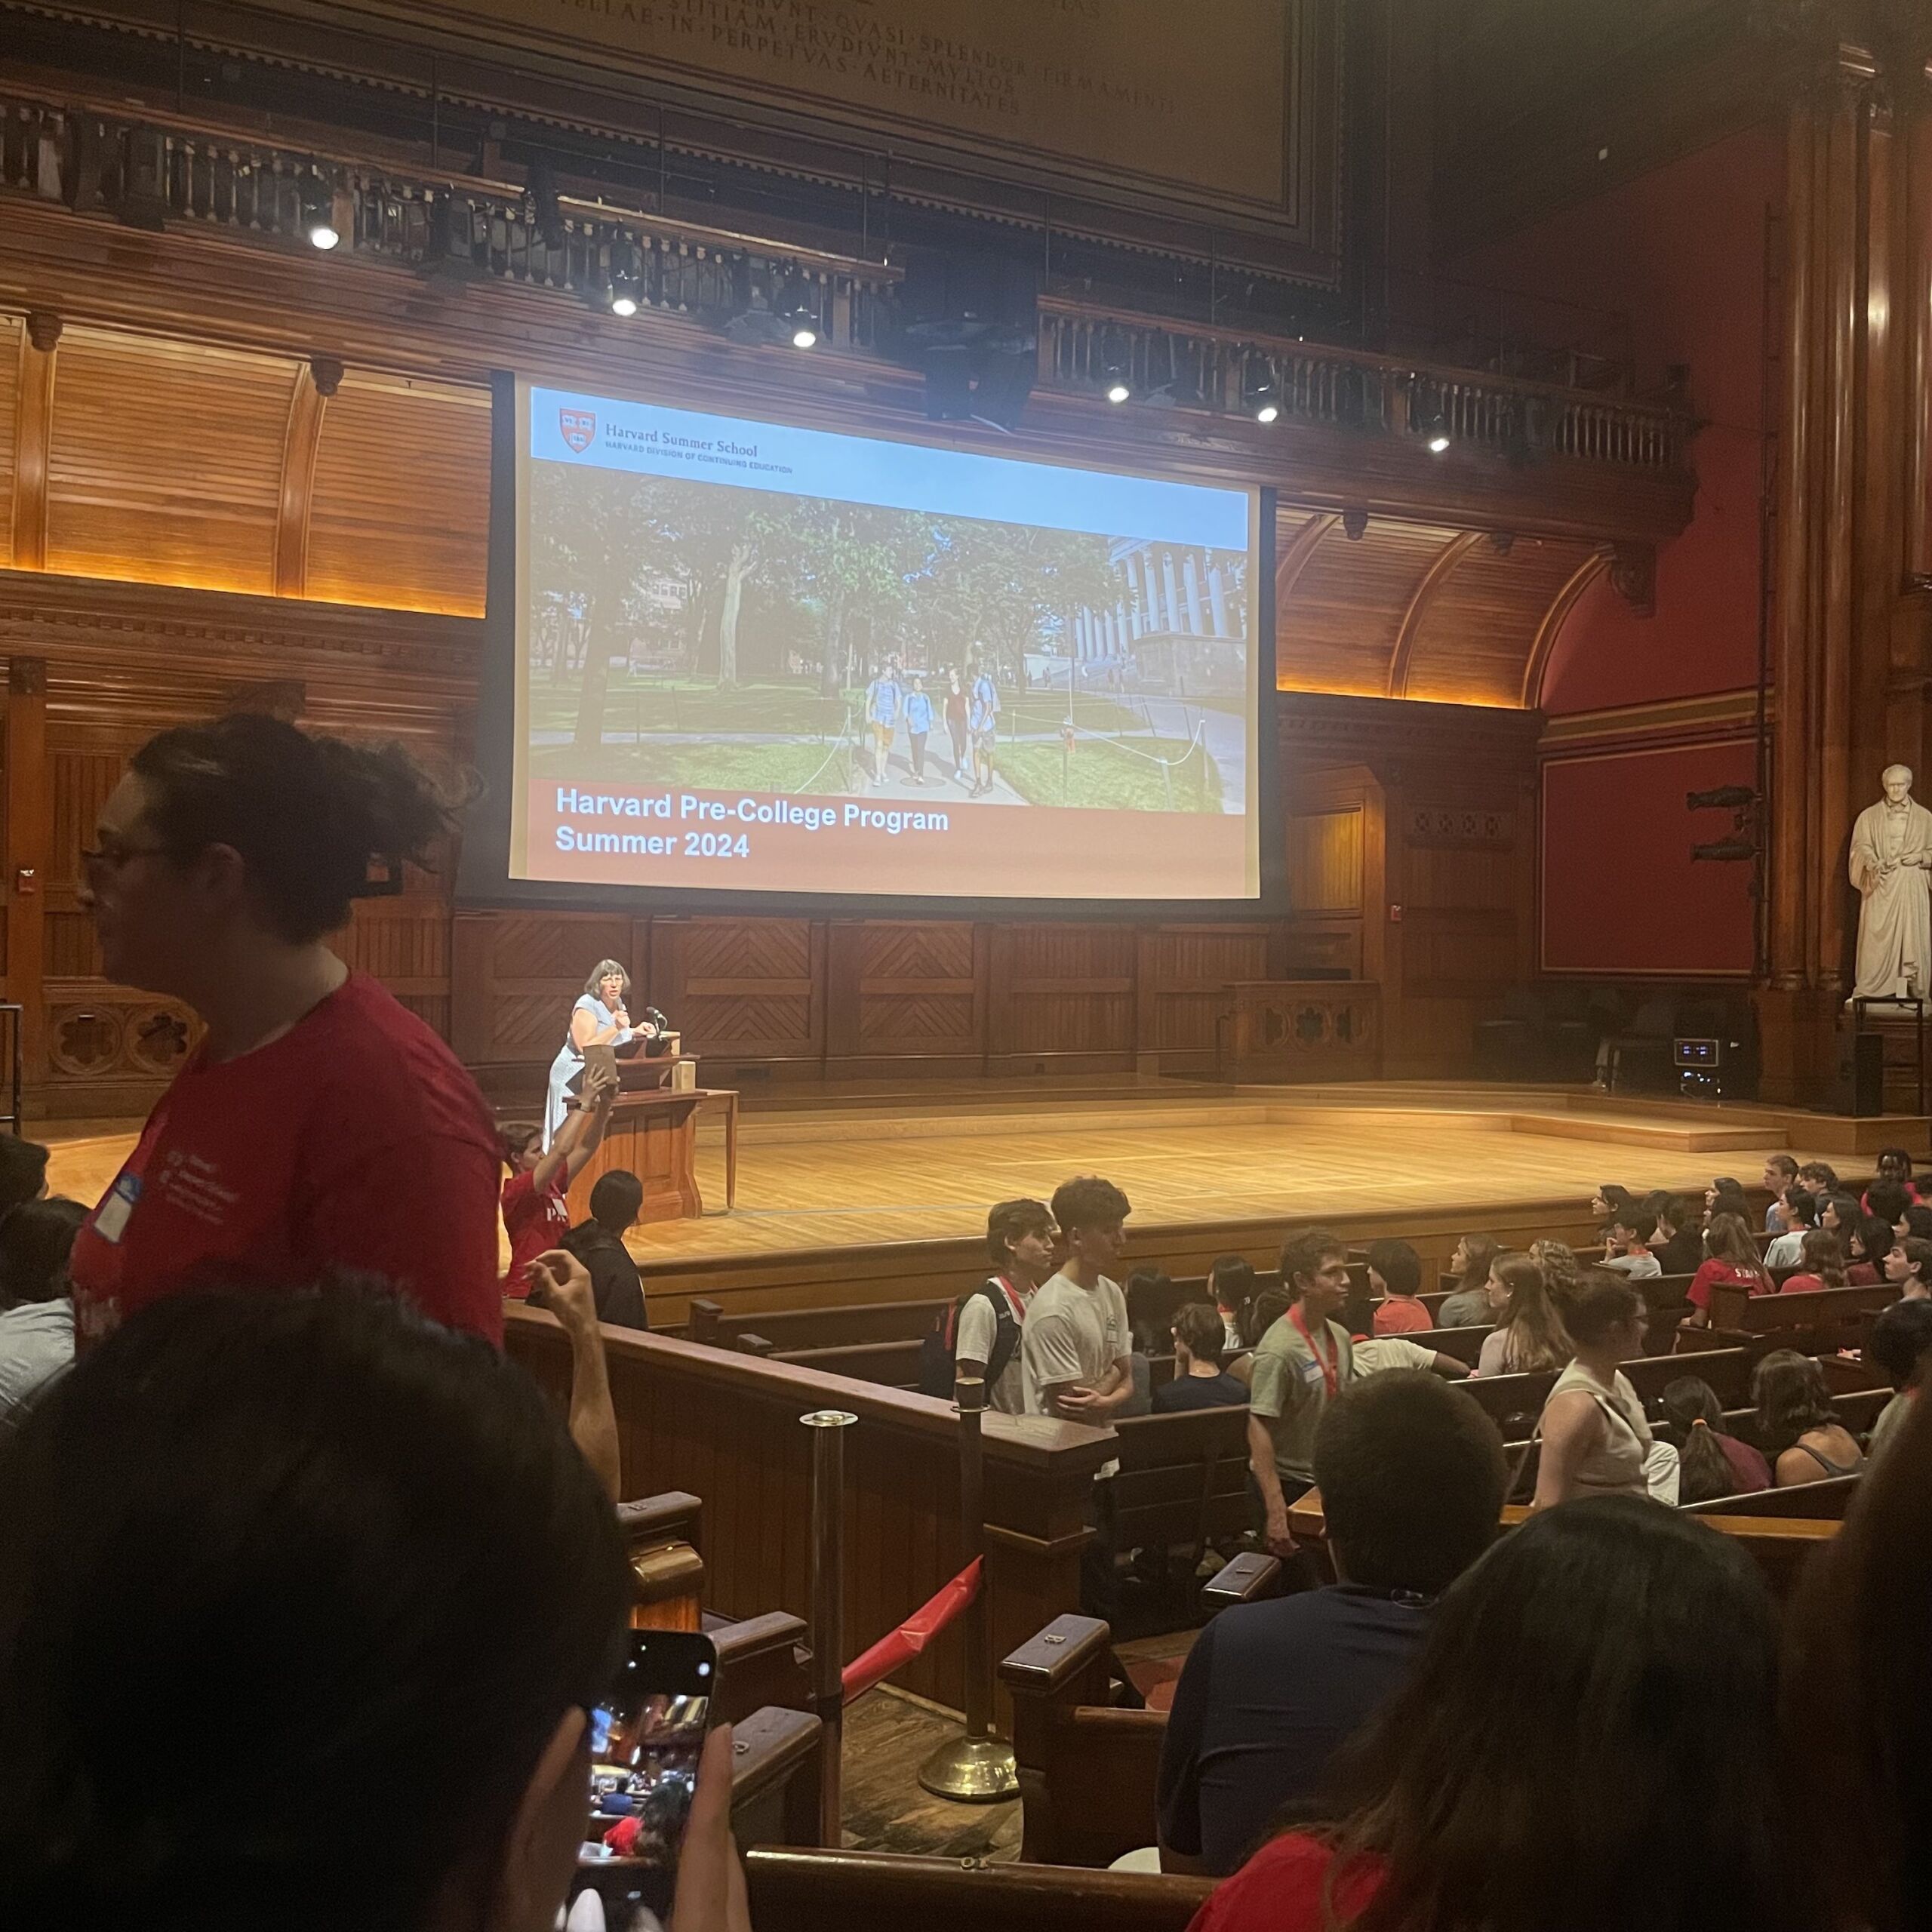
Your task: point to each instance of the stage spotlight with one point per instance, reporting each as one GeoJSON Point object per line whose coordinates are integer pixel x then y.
{"type": "Point", "coordinates": [626, 282]}
{"type": "Point", "coordinates": [1438, 443]}
{"type": "Point", "coordinates": [1260, 395]}
{"type": "Point", "coordinates": [1435, 433]}
{"type": "Point", "coordinates": [1118, 388]}
{"type": "Point", "coordinates": [319, 216]}
{"type": "Point", "coordinates": [804, 338]}
{"type": "Point", "coordinates": [622, 302]}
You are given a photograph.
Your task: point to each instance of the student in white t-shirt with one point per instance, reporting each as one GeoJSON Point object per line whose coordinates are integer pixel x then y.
{"type": "Point", "coordinates": [1020, 1237]}
{"type": "Point", "coordinates": [1074, 1349]}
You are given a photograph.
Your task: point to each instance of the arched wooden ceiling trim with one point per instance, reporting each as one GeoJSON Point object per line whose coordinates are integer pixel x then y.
{"type": "Point", "coordinates": [1564, 601]}
{"type": "Point", "coordinates": [1297, 552]}
{"type": "Point", "coordinates": [1438, 573]}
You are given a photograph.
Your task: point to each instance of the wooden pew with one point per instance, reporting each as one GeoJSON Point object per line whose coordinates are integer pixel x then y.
{"type": "Point", "coordinates": [1815, 1323]}
{"type": "Point", "coordinates": [1818, 1502]}
{"type": "Point", "coordinates": [834, 1891]}
{"type": "Point", "coordinates": [1087, 1771]}
{"type": "Point", "coordinates": [839, 1326]}
{"type": "Point", "coordinates": [1184, 1479]}
{"type": "Point", "coordinates": [667, 1571]}
{"type": "Point", "coordinates": [891, 1364]}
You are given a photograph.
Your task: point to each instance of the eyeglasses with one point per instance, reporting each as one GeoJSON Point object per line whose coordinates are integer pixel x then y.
{"type": "Point", "coordinates": [101, 862]}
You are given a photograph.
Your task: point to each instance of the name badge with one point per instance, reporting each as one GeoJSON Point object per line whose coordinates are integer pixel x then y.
{"type": "Point", "coordinates": [1311, 1373]}
{"type": "Point", "coordinates": [110, 1218]}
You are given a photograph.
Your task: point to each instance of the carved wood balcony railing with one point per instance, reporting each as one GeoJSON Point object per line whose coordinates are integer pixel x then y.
{"type": "Point", "coordinates": [1226, 372]}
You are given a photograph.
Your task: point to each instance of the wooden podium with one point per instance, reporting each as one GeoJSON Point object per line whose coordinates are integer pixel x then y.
{"type": "Point", "coordinates": [652, 1133]}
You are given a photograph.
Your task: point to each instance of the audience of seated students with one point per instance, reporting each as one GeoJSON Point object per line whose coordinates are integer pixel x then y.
{"type": "Point", "coordinates": [1894, 1171]}
{"type": "Point", "coordinates": [1732, 1260]}
{"type": "Point", "coordinates": [537, 1217]}
{"type": "Point", "coordinates": [988, 1324]}
{"type": "Point", "coordinates": [1801, 1214]}
{"type": "Point", "coordinates": [1679, 1245]}
{"type": "Point", "coordinates": [1528, 1333]}
{"type": "Point", "coordinates": [1150, 1294]}
{"type": "Point", "coordinates": [1712, 1461]}
{"type": "Point", "coordinates": [597, 1241]}
{"type": "Point", "coordinates": [1467, 1305]}
{"type": "Point", "coordinates": [1231, 1286]}
{"type": "Point", "coordinates": [36, 1303]}
{"type": "Point", "coordinates": [1909, 1268]}
{"type": "Point", "coordinates": [1780, 1175]}
{"type": "Point", "coordinates": [1627, 1245]}
{"type": "Point", "coordinates": [1803, 1438]}
{"type": "Point", "coordinates": [1588, 1740]}
{"type": "Point", "coordinates": [1200, 1381]}
{"type": "Point", "coordinates": [1821, 1265]}
{"type": "Point", "coordinates": [1595, 1440]}
{"type": "Point", "coordinates": [1900, 1341]}
{"type": "Point", "coordinates": [1394, 1275]}
{"type": "Point", "coordinates": [384, 1571]}
{"type": "Point", "coordinates": [1301, 1364]}
{"type": "Point", "coordinates": [316, 1115]}
{"type": "Point", "coordinates": [1074, 1348]}
{"type": "Point", "coordinates": [1412, 1476]}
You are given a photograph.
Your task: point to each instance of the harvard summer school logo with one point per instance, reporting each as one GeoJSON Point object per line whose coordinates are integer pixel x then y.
{"type": "Point", "coordinates": [579, 427]}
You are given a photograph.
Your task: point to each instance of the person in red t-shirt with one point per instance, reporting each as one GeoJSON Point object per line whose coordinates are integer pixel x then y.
{"type": "Point", "coordinates": [1732, 1259]}
{"type": "Point", "coordinates": [318, 1127]}
{"type": "Point", "coordinates": [536, 1215]}
{"type": "Point", "coordinates": [1547, 1767]}
{"type": "Point", "coordinates": [1395, 1279]}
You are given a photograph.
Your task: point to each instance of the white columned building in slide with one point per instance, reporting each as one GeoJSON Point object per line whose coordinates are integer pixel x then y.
{"type": "Point", "coordinates": [1177, 623]}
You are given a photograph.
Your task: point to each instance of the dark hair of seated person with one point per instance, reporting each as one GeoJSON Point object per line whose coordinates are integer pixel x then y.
{"type": "Point", "coordinates": [1693, 1418]}
{"type": "Point", "coordinates": [1885, 1199]}
{"type": "Point", "coordinates": [1199, 1325]}
{"type": "Point", "coordinates": [1802, 1210]}
{"type": "Point", "coordinates": [35, 1239]}
{"type": "Point", "coordinates": [1412, 1476]}
{"type": "Point", "coordinates": [298, 1595]}
{"type": "Point", "coordinates": [1261, 1313]}
{"type": "Point", "coordinates": [1918, 1219]}
{"type": "Point", "coordinates": [615, 1200]}
{"type": "Point", "coordinates": [1611, 1766]}
{"type": "Point", "coordinates": [1398, 1265]}
{"type": "Point", "coordinates": [1898, 1339]}
{"type": "Point", "coordinates": [1789, 1392]}
{"type": "Point", "coordinates": [1858, 1697]}
{"type": "Point", "coordinates": [23, 1170]}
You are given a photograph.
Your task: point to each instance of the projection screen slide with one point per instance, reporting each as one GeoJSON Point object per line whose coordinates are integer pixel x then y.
{"type": "Point", "coordinates": [756, 658]}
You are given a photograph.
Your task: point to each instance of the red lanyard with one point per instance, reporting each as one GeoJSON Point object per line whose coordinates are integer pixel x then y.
{"type": "Point", "coordinates": [1331, 1371]}
{"type": "Point", "coordinates": [1013, 1300]}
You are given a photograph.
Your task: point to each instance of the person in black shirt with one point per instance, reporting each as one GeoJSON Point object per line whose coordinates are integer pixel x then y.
{"type": "Point", "coordinates": [1412, 1476]}
{"type": "Point", "coordinates": [1681, 1250]}
{"type": "Point", "coordinates": [1200, 1381]}
{"type": "Point", "coordinates": [598, 1243]}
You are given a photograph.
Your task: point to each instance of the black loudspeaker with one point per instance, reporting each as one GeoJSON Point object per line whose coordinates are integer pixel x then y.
{"type": "Point", "coordinates": [1861, 1081]}
{"type": "Point", "coordinates": [969, 320]}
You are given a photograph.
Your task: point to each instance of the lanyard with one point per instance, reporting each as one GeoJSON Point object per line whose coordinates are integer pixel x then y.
{"type": "Point", "coordinates": [1330, 1370]}
{"type": "Point", "coordinates": [1013, 1300]}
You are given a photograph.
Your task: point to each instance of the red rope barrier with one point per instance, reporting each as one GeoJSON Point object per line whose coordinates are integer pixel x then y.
{"type": "Point", "coordinates": [901, 1646]}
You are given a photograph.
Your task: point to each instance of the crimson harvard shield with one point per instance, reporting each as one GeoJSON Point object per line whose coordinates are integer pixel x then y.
{"type": "Point", "coordinates": [578, 426]}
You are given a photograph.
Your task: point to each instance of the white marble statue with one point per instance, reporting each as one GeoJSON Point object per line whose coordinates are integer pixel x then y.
{"type": "Point", "coordinates": [1891, 865]}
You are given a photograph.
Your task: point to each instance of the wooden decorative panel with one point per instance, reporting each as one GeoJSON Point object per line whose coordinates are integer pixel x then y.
{"type": "Point", "coordinates": [11, 330]}
{"type": "Point", "coordinates": [401, 508]}
{"type": "Point", "coordinates": [1473, 639]}
{"type": "Point", "coordinates": [1336, 629]}
{"type": "Point", "coordinates": [166, 460]}
{"type": "Point", "coordinates": [917, 988]}
{"type": "Point", "coordinates": [534, 946]}
{"type": "Point", "coordinates": [738, 985]}
{"type": "Point", "coordinates": [1063, 989]}
{"type": "Point", "coordinates": [1324, 861]}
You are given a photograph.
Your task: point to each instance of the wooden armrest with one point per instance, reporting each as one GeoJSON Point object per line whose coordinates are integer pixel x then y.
{"type": "Point", "coordinates": [705, 1322]}
{"type": "Point", "coordinates": [766, 1745]}
{"type": "Point", "coordinates": [760, 1662]}
{"type": "Point", "coordinates": [1249, 1577]}
{"type": "Point", "coordinates": [1045, 1663]}
{"type": "Point", "coordinates": [673, 1517]}
{"type": "Point", "coordinates": [753, 1344]}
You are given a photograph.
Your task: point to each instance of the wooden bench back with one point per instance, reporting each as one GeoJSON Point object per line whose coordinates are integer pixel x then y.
{"type": "Point", "coordinates": [1817, 1322]}
{"type": "Point", "coordinates": [1184, 1479]}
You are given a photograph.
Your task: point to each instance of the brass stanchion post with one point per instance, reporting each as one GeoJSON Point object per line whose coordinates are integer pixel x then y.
{"type": "Point", "coordinates": [829, 1610]}
{"type": "Point", "coordinates": [977, 1768]}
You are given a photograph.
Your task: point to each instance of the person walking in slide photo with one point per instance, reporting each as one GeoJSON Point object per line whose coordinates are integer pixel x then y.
{"type": "Point", "coordinates": [956, 708]}
{"type": "Point", "coordinates": [884, 699]}
{"type": "Point", "coordinates": [981, 720]}
{"type": "Point", "coordinates": [918, 726]}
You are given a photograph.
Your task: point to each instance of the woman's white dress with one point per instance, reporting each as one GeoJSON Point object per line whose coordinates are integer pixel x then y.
{"type": "Point", "coordinates": [570, 1062]}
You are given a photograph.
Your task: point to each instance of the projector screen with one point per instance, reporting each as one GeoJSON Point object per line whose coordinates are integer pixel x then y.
{"type": "Point", "coordinates": [751, 658]}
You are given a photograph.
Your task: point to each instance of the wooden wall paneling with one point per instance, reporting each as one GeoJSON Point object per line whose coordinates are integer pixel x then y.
{"type": "Point", "coordinates": [30, 436]}
{"type": "Point", "coordinates": [1337, 631]}
{"type": "Point", "coordinates": [1063, 997]}
{"type": "Point", "coordinates": [920, 991]}
{"type": "Point", "coordinates": [746, 991]}
{"type": "Point", "coordinates": [27, 841]}
{"type": "Point", "coordinates": [401, 508]}
{"type": "Point", "coordinates": [1324, 860]}
{"type": "Point", "coordinates": [134, 492]}
{"type": "Point", "coordinates": [1334, 850]}
{"type": "Point", "coordinates": [316, 381]}
{"type": "Point", "coordinates": [1181, 1000]}
{"type": "Point", "coordinates": [1442, 566]}
{"type": "Point", "coordinates": [539, 964]}
{"type": "Point", "coordinates": [1550, 626]}
{"type": "Point", "coordinates": [13, 333]}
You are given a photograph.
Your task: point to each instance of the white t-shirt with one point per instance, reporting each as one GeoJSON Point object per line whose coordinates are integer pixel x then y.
{"type": "Point", "coordinates": [979, 1326]}
{"type": "Point", "coordinates": [1787, 1250]}
{"type": "Point", "coordinates": [1073, 1334]}
{"type": "Point", "coordinates": [1374, 1353]}
{"type": "Point", "coordinates": [36, 1342]}
{"type": "Point", "coordinates": [1637, 1267]}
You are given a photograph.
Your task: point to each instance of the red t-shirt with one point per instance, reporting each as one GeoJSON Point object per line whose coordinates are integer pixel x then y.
{"type": "Point", "coordinates": [1748, 1469]}
{"type": "Point", "coordinates": [1698, 1293]}
{"type": "Point", "coordinates": [535, 1223]}
{"type": "Point", "coordinates": [1805, 1284]}
{"type": "Point", "coordinates": [1401, 1315]}
{"type": "Point", "coordinates": [1280, 1889]}
{"type": "Point", "coordinates": [355, 1141]}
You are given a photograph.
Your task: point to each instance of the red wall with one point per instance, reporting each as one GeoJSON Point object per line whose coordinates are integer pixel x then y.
{"type": "Point", "coordinates": [1681, 251]}
{"type": "Point", "coordinates": [1621, 893]}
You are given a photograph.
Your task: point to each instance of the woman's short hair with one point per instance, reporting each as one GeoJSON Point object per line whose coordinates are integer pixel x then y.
{"type": "Point", "coordinates": [1627, 1774]}
{"type": "Point", "coordinates": [295, 1591]}
{"type": "Point", "coordinates": [1267, 1308]}
{"type": "Point", "coordinates": [308, 814]}
{"type": "Point", "coordinates": [1199, 1325]}
{"type": "Point", "coordinates": [606, 969]}
{"type": "Point", "coordinates": [1823, 1256]}
{"type": "Point", "coordinates": [1899, 1336]}
{"type": "Point", "coordinates": [1398, 1264]}
{"type": "Point", "coordinates": [1789, 1391]}
{"type": "Point", "coordinates": [1600, 1303]}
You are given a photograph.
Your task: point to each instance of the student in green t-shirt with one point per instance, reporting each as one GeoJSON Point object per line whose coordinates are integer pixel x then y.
{"type": "Point", "coordinates": [1300, 1364]}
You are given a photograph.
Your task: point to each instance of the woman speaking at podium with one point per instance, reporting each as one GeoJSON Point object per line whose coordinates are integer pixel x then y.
{"type": "Point", "coordinates": [597, 1020]}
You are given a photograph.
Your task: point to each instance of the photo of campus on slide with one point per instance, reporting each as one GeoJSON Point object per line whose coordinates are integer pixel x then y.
{"type": "Point", "coordinates": [679, 634]}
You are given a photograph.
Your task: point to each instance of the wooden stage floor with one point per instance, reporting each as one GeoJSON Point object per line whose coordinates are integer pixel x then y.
{"type": "Point", "coordinates": [838, 1169]}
